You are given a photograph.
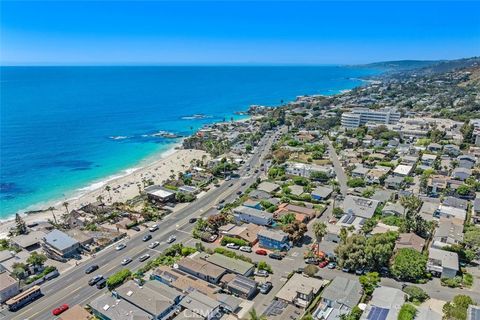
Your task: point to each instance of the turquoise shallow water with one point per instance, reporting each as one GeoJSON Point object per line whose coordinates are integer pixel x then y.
{"type": "Point", "coordinates": [63, 128]}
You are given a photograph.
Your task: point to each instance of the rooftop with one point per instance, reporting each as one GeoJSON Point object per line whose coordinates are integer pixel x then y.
{"type": "Point", "coordinates": [6, 280]}
{"type": "Point", "coordinates": [448, 259]}
{"type": "Point", "coordinates": [59, 240]}
{"type": "Point", "coordinates": [118, 309]}
{"type": "Point", "coordinates": [358, 206]}
{"type": "Point", "coordinates": [234, 265]}
{"type": "Point", "coordinates": [277, 235]}
{"type": "Point", "coordinates": [153, 297]}
{"type": "Point", "coordinates": [201, 266]}
{"type": "Point", "coordinates": [343, 291]}
{"type": "Point", "coordinates": [299, 283]}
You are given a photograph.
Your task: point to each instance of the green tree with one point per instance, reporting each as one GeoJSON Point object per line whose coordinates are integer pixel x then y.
{"type": "Point", "coordinates": [415, 294]}
{"type": "Point", "coordinates": [20, 225]}
{"type": "Point", "coordinates": [295, 230]}
{"type": "Point", "coordinates": [319, 230]}
{"type": "Point", "coordinates": [287, 218]}
{"type": "Point", "coordinates": [36, 259]}
{"type": "Point", "coordinates": [369, 282]}
{"type": "Point", "coordinates": [463, 190]}
{"type": "Point", "coordinates": [310, 270]}
{"type": "Point", "coordinates": [356, 182]}
{"type": "Point", "coordinates": [338, 212]}
{"type": "Point", "coordinates": [409, 265]}
{"type": "Point", "coordinates": [407, 312]}
{"type": "Point", "coordinates": [457, 308]}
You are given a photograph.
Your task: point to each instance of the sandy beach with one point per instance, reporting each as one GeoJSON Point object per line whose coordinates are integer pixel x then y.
{"type": "Point", "coordinates": [123, 187]}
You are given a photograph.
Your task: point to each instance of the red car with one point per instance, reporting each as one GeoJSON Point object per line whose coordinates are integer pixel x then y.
{"type": "Point", "coordinates": [261, 252]}
{"type": "Point", "coordinates": [62, 308]}
{"type": "Point", "coordinates": [323, 264]}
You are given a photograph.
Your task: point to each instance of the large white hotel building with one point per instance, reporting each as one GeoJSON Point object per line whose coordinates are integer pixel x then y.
{"type": "Point", "coordinates": [361, 116]}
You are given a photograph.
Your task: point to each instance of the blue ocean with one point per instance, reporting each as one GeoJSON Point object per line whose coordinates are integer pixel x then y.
{"type": "Point", "coordinates": [64, 128]}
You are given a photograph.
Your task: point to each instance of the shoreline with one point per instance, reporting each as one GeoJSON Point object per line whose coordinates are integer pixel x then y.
{"type": "Point", "coordinates": [124, 185]}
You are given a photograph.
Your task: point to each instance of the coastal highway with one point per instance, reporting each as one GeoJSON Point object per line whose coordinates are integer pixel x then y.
{"type": "Point", "coordinates": [72, 287]}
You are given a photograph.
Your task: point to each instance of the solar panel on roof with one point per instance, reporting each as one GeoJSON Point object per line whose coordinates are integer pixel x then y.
{"type": "Point", "coordinates": [377, 313]}
{"type": "Point", "coordinates": [350, 220]}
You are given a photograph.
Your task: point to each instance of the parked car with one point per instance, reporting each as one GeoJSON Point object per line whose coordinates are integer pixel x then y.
{"type": "Point", "coordinates": [59, 310]}
{"type": "Point", "coordinates": [136, 228]}
{"type": "Point", "coordinates": [359, 272]}
{"type": "Point", "coordinates": [192, 220]}
{"type": "Point", "coordinates": [102, 283]}
{"type": "Point", "coordinates": [265, 287]}
{"type": "Point", "coordinates": [323, 264]}
{"type": "Point", "coordinates": [153, 244]}
{"type": "Point", "coordinates": [261, 273]}
{"type": "Point", "coordinates": [345, 269]}
{"type": "Point", "coordinates": [144, 257]}
{"type": "Point", "coordinates": [94, 280]}
{"type": "Point", "coordinates": [276, 256]}
{"type": "Point", "coordinates": [91, 268]}
{"type": "Point", "coordinates": [126, 261]}
{"type": "Point", "coordinates": [239, 192]}
{"type": "Point", "coordinates": [153, 228]}
{"type": "Point", "coordinates": [261, 252]}
{"type": "Point", "coordinates": [171, 239]}
{"type": "Point", "coordinates": [210, 238]}
{"type": "Point", "coordinates": [332, 265]}
{"type": "Point", "coordinates": [120, 246]}
{"type": "Point", "coordinates": [311, 261]}
{"type": "Point", "coordinates": [246, 249]}
{"type": "Point", "coordinates": [233, 246]}
{"type": "Point", "coordinates": [147, 237]}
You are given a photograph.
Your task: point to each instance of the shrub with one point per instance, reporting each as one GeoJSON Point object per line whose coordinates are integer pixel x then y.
{"type": "Point", "coordinates": [356, 182]}
{"type": "Point", "coordinates": [457, 308]}
{"type": "Point", "coordinates": [467, 279]}
{"type": "Point", "coordinates": [415, 294]}
{"type": "Point", "coordinates": [186, 251]}
{"type": "Point", "coordinates": [239, 242]}
{"type": "Point", "coordinates": [262, 265]}
{"type": "Point", "coordinates": [454, 282]}
{"type": "Point", "coordinates": [118, 278]}
{"type": "Point", "coordinates": [310, 270]}
{"type": "Point", "coordinates": [407, 312]}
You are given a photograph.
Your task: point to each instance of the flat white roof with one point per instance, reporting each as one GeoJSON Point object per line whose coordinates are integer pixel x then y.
{"type": "Point", "coordinates": [403, 169]}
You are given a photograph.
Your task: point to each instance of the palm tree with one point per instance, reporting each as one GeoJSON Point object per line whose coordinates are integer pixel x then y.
{"type": "Point", "coordinates": [108, 188]}
{"type": "Point", "coordinates": [319, 230]}
{"type": "Point", "coordinates": [254, 316]}
{"type": "Point", "coordinates": [65, 204]}
{"type": "Point", "coordinates": [100, 199]}
{"type": "Point", "coordinates": [53, 214]}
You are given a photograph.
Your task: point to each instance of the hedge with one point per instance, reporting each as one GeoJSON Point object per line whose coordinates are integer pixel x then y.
{"type": "Point", "coordinates": [239, 242]}
{"type": "Point", "coordinates": [118, 278]}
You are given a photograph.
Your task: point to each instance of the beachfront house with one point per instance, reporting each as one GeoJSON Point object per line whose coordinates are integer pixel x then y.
{"type": "Point", "coordinates": [159, 194]}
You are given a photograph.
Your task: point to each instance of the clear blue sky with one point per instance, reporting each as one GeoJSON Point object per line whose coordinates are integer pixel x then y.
{"type": "Point", "coordinates": [268, 32]}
